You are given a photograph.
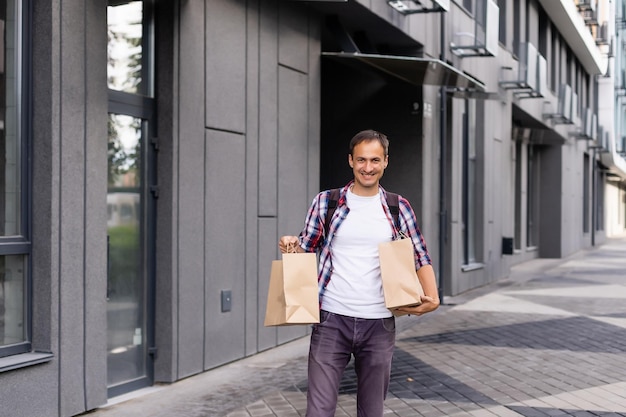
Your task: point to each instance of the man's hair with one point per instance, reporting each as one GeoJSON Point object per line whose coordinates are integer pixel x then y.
{"type": "Point", "coordinates": [369, 135]}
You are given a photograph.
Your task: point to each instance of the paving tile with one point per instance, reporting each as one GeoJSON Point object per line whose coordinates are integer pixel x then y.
{"type": "Point", "coordinates": [239, 413]}
{"type": "Point", "coordinates": [548, 341]}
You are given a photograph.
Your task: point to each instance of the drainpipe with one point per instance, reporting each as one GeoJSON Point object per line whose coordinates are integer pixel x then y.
{"type": "Point", "coordinates": [442, 165]}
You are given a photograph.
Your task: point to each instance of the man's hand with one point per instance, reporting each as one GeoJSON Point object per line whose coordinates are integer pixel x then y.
{"type": "Point", "coordinates": [428, 304]}
{"type": "Point", "coordinates": [289, 244]}
{"type": "Point", "coordinates": [426, 276]}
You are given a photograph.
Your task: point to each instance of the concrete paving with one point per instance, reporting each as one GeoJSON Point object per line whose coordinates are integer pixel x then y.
{"type": "Point", "coordinates": [548, 341]}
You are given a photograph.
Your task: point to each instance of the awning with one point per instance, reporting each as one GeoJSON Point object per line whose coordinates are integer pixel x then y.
{"type": "Point", "coordinates": [416, 71]}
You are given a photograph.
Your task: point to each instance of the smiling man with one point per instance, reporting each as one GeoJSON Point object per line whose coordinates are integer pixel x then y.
{"type": "Point", "coordinates": [353, 316]}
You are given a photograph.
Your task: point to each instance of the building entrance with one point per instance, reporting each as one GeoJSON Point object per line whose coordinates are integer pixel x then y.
{"type": "Point", "coordinates": [130, 198]}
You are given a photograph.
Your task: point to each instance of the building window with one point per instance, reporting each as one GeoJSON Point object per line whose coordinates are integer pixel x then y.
{"type": "Point", "coordinates": [467, 4]}
{"type": "Point", "coordinates": [131, 192]}
{"type": "Point", "coordinates": [600, 180]}
{"type": "Point", "coordinates": [544, 24]}
{"type": "Point", "coordinates": [579, 88]}
{"type": "Point", "coordinates": [469, 183]}
{"type": "Point", "coordinates": [586, 85]}
{"type": "Point", "coordinates": [554, 62]}
{"type": "Point", "coordinates": [623, 205]}
{"type": "Point", "coordinates": [568, 67]}
{"type": "Point", "coordinates": [14, 228]}
{"type": "Point", "coordinates": [502, 21]}
{"type": "Point", "coordinates": [518, 192]}
{"type": "Point", "coordinates": [532, 221]}
{"type": "Point", "coordinates": [586, 193]}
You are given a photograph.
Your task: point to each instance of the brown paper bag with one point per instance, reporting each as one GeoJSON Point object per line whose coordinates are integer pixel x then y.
{"type": "Point", "coordinates": [401, 287]}
{"type": "Point", "coordinates": [292, 297]}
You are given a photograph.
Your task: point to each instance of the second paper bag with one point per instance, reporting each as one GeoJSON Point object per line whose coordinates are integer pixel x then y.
{"type": "Point", "coordinates": [401, 287]}
{"type": "Point", "coordinates": [292, 296]}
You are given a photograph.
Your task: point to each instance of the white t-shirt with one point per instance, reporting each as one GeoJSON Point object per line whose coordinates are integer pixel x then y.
{"type": "Point", "coordinates": [355, 288]}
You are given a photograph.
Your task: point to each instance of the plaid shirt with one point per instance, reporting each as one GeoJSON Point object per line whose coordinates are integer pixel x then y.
{"type": "Point", "coordinates": [312, 237]}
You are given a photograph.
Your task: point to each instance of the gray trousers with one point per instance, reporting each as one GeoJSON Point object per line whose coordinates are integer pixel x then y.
{"type": "Point", "coordinates": [333, 341]}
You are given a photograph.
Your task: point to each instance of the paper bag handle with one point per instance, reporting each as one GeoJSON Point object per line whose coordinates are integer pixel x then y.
{"type": "Point", "coordinates": [401, 235]}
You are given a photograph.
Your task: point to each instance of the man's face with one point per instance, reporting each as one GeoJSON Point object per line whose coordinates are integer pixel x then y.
{"type": "Point", "coordinates": [368, 162]}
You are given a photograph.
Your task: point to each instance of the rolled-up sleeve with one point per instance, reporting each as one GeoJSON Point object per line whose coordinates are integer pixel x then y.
{"type": "Point", "coordinates": [312, 234]}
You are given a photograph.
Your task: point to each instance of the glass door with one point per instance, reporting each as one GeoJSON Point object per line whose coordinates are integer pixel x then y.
{"type": "Point", "coordinates": [126, 285]}
{"type": "Point", "coordinates": [130, 203]}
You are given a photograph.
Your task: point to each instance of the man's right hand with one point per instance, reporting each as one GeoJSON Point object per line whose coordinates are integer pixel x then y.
{"type": "Point", "coordinates": [289, 244]}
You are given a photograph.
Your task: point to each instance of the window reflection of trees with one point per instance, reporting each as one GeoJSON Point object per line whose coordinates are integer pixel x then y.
{"type": "Point", "coordinates": [123, 150]}
{"type": "Point", "coordinates": [125, 54]}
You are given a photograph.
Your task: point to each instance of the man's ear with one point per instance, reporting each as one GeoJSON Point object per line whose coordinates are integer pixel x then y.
{"type": "Point", "coordinates": [386, 162]}
{"type": "Point", "coordinates": [350, 162]}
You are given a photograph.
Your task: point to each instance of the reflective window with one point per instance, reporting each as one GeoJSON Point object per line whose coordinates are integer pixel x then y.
{"type": "Point", "coordinates": [10, 140]}
{"type": "Point", "coordinates": [532, 187]}
{"type": "Point", "coordinates": [126, 287]}
{"type": "Point", "coordinates": [470, 199]}
{"type": "Point", "coordinates": [502, 21]}
{"type": "Point", "coordinates": [12, 302]}
{"type": "Point", "coordinates": [586, 198]}
{"type": "Point", "coordinates": [599, 209]}
{"type": "Point", "coordinates": [518, 191]}
{"type": "Point", "coordinates": [14, 244]}
{"type": "Point", "coordinates": [125, 51]}
{"type": "Point", "coordinates": [129, 201]}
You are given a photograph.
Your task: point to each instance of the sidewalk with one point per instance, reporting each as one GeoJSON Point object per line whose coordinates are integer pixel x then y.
{"type": "Point", "coordinates": [548, 341]}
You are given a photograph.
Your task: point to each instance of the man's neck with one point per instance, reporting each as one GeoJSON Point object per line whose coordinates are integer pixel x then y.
{"type": "Point", "coordinates": [364, 191]}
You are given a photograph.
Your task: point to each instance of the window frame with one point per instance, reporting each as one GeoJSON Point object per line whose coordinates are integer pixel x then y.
{"type": "Point", "coordinates": [586, 194]}
{"type": "Point", "coordinates": [517, 27]}
{"type": "Point", "coordinates": [21, 244]}
{"type": "Point", "coordinates": [468, 5]}
{"type": "Point", "coordinates": [600, 195]}
{"type": "Point", "coordinates": [502, 24]}
{"type": "Point", "coordinates": [141, 104]}
{"type": "Point", "coordinates": [470, 206]}
{"type": "Point", "coordinates": [519, 146]}
{"type": "Point", "coordinates": [532, 195]}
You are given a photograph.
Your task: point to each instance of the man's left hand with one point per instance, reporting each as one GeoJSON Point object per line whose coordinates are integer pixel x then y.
{"type": "Point", "coordinates": [428, 304]}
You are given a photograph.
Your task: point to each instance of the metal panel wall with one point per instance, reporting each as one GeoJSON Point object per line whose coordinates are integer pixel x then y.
{"type": "Point", "coordinates": [254, 115]}
{"type": "Point", "coordinates": [293, 199]}
{"type": "Point", "coordinates": [190, 189]}
{"type": "Point", "coordinates": [95, 271]}
{"type": "Point", "coordinates": [225, 65]}
{"type": "Point", "coordinates": [253, 307]}
{"type": "Point", "coordinates": [165, 364]}
{"type": "Point", "coordinates": [293, 37]}
{"type": "Point", "coordinates": [225, 239]}
{"type": "Point", "coordinates": [72, 211]}
{"type": "Point", "coordinates": [267, 158]}
{"type": "Point", "coordinates": [225, 170]}
{"type": "Point", "coordinates": [18, 384]}
{"type": "Point", "coordinates": [268, 107]}
{"type": "Point", "coordinates": [69, 215]}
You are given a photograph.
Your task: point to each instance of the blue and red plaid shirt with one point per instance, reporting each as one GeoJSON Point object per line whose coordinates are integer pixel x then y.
{"type": "Point", "coordinates": [312, 237]}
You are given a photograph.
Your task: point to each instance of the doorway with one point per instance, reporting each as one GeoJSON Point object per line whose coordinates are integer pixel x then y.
{"type": "Point", "coordinates": [130, 198]}
{"type": "Point", "coordinates": [357, 98]}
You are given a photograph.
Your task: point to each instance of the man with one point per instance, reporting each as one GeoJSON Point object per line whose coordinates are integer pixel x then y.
{"type": "Point", "coordinates": [353, 317]}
